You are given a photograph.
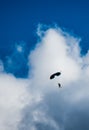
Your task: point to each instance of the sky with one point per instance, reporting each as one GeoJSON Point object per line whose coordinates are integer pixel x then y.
{"type": "Point", "coordinates": [37, 39]}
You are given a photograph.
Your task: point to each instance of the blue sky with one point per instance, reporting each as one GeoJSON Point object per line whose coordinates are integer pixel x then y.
{"type": "Point", "coordinates": [38, 38]}
{"type": "Point", "coordinates": [19, 20]}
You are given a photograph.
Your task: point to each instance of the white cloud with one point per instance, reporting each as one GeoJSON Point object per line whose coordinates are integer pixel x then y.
{"type": "Point", "coordinates": [53, 54]}
{"type": "Point", "coordinates": [37, 103]}
{"type": "Point", "coordinates": [13, 98]}
{"type": "Point", "coordinates": [58, 51]}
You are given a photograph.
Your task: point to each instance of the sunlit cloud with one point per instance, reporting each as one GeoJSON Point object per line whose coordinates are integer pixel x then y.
{"type": "Point", "coordinates": [37, 102]}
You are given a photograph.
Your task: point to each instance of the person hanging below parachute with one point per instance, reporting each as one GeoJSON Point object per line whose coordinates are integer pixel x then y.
{"type": "Point", "coordinates": [53, 76]}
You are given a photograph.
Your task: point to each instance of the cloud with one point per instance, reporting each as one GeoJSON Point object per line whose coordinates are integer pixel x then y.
{"type": "Point", "coordinates": [36, 102]}
{"type": "Point", "coordinates": [59, 51]}
{"type": "Point", "coordinates": [13, 98]}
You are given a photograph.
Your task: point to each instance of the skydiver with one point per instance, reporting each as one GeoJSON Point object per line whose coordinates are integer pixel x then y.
{"type": "Point", "coordinates": [59, 85]}
{"type": "Point", "coordinates": [53, 76]}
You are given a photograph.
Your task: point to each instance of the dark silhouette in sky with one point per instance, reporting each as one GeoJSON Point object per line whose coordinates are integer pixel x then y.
{"type": "Point", "coordinates": [59, 85]}
{"type": "Point", "coordinates": [53, 76]}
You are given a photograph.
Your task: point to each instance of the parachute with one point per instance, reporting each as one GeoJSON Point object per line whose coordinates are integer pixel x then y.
{"type": "Point", "coordinates": [53, 76]}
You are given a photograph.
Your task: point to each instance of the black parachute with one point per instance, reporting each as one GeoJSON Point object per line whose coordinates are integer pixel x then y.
{"type": "Point", "coordinates": [53, 76]}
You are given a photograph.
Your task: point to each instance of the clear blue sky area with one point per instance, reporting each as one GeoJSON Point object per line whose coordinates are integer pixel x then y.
{"type": "Point", "coordinates": [19, 20]}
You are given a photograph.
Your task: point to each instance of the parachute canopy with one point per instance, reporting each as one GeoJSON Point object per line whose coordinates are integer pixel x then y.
{"type": "Point", "coordinates": [55, 74]}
